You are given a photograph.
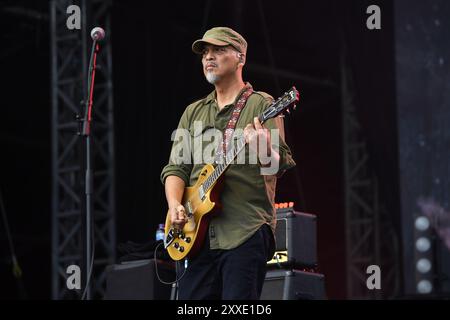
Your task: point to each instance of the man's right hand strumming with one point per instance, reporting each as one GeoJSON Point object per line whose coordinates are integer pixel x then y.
{"type": "Point", "coordinates": [174, 187]}
{"type": "Point", "coordinates": [178, 216]}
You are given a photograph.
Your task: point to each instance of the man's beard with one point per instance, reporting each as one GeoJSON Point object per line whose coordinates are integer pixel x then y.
{"type": "Point", "coordinates": [211, 77]}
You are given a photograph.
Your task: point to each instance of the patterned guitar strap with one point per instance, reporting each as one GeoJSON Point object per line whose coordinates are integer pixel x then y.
{"type": "Point", "coordinates": [229, 129]}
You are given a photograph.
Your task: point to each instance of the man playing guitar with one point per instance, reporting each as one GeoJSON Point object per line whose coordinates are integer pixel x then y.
{"type": "Point", "coordinates": [238, 240]}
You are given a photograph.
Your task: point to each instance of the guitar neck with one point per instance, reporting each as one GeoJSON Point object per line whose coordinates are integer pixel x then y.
{"type": "Point", "coordinates": [231, 155]}
{"type": "Point", "coordinates": [229, 158]}
{"type": "Point", "coordinates": [221, 167]}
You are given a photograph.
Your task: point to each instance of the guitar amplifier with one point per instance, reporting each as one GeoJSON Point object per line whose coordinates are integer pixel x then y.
{"type": "Point", "coordinates": [296, 244]}
{"type": "Point", "coordinates": [293, 285]}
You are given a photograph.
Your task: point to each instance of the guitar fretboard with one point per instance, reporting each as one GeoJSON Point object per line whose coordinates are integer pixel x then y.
{"type": "Point", "coordinates": [221, 167]}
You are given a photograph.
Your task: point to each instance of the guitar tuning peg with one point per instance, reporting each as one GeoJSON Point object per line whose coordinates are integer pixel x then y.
{"type": "Point", "coordinates": [295, 106]}
{"type": "Point", "coordinates": [288, 111]}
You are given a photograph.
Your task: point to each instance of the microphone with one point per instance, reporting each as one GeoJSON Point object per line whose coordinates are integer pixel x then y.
{"type": "Point", "coordinates": [97, 34]}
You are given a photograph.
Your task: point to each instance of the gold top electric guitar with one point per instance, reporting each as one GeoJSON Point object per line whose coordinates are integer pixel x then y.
{"type": "Point", "coordinates": [200, 199]}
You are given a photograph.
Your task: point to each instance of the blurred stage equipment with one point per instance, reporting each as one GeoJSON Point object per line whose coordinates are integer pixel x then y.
{"type": "Point", "coordinates": [16, 269]}
{"type": "Point", "coordinates": [137, 280]}
{"type": "Point", "coordinates": [422, 77]}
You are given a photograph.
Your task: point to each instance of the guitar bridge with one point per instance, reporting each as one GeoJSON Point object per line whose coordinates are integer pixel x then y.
{"type": "Point", "coordinates": [169, 238]}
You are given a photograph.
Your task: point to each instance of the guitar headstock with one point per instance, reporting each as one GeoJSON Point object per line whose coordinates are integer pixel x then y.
{"type": "Point", "coordinates": [282, 104]}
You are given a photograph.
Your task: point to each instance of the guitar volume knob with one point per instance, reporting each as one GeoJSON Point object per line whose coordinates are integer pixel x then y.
{"type": "Point", "coordinates": [188, 240]}
{"type": "Point", "coordinates": [181, 249]}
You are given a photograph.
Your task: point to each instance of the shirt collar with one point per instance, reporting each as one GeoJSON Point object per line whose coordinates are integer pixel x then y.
{"type": "Point", "coordinates": [212, 96]}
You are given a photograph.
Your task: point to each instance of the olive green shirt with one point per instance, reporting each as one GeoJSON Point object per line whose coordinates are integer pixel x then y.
{"type": "Point", "coordinates": [247, 197]}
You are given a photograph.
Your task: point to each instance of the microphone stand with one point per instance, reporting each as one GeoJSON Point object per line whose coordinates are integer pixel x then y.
{"type": "Point", "coordinates": [85, 132]}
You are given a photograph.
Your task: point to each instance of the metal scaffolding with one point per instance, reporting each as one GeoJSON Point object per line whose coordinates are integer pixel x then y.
{"type": "Point", "coordinates": [69, 68]}
{"type": "Point", "coordinates": [370, 236]}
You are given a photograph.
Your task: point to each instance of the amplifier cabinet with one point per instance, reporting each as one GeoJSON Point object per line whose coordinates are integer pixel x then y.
{"type": "Point", "coordinates": [293, 285]}
{"type": "Point", "coordinates": [295, 236]}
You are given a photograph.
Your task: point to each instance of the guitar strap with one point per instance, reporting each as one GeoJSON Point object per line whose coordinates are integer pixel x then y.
{"type": "Point", "coordinates": [229, 129]}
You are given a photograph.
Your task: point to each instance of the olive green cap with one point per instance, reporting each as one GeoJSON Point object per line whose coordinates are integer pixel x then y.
{"type": "Point", "coordinates": [221, 36]}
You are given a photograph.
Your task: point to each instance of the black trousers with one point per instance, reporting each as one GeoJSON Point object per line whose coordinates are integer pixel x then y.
{"type": "Point", "coordinates": [236, 274]}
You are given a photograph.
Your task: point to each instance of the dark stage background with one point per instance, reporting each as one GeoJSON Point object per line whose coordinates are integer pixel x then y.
{"type": "Point", "coordinates": [156, 76]}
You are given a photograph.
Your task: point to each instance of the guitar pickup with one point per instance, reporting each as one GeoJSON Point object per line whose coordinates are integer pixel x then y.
{"type": "Point", "coordinates": [201, 193]}
{"type": "Point", "coordinates": [190, 212]}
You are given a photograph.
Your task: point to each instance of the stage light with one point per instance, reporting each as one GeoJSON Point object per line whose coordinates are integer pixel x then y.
{"type": "Point", "coordinates": [424, 287]}
{"type": "Point", "coordinates": [423, 255]}
{"type": "Point", "coordinates": [423, 244]}
{"type": "Point", "coordinates": [422, 223]}
{"type": "Point", "coordinates": [423, 265]}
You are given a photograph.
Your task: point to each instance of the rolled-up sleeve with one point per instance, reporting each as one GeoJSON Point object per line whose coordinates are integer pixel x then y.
{"type": "Point", "coordinates": [286, 160]}
{"type": "Point", "coordinates": [180, 160]}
